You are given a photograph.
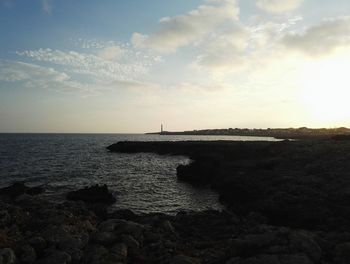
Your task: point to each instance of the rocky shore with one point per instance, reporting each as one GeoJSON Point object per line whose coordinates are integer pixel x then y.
{"type": "Point", "coordinates": [298, 185]}
{"type": "Point", "coordinates": [34, 230]}
{"type": "Point", "coordinates": [287, 203]}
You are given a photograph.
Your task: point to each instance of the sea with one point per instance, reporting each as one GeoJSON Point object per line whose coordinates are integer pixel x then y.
{"type": "Point", "coordinates": [142, 182]}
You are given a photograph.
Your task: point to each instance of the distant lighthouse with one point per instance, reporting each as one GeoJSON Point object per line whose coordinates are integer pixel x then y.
{"type": "Point", "coordinates": [161, 128]}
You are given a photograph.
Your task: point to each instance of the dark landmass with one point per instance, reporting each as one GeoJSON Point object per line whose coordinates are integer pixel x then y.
{"type": "Point", "coordinates": [35, 230]}
{"type": "Point", "coordinates": [300, 185]}
{"type": "Point", "coordinates": [287, 202]}
{"type": "Point", "coordinates": [279, 133]}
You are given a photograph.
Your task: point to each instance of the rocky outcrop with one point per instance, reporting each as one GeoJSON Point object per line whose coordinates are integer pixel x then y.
{"type": "Point", "coordinates": [19, 188]}
{"type": "Point", "coordinates": [300, 184]}
{"type": "Point", "coordinates": [93, 194]}
{"type": "Point", "coordinates": [38, 231]}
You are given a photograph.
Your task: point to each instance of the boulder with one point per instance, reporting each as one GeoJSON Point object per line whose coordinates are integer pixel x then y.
{"type": "Point", "coordinates": [7, 256]}
{"type": "Point", "coordinates": [303, 242]}
{"type": "Point", "coordinates": [132, 244]}
{"type": "Point", "coordinates": [118, 252]}
{"type": "Point", "coordinates": [19, 188]}
{"type": "Point", "coordinates": [27, 254]}
{"type": "Point", "coordinates": [295, 259]}
{"type": "Point", "coordinates": [56, 257]}
{"type": "Point", "coordinates": [342, 253]}
{"type": "Point", "coordinates": [93, 194]}
{"type": "Point", "coordinates": [261, 259]}
{"type": "Point", "coordinates": [182, 259]}
{"type": "Point", "coordinates": [119, 227]}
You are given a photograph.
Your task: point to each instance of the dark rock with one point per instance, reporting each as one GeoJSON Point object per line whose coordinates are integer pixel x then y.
{"type": "Point", "coordinates": [125, 214]}
{"type": "Point", "coordinates": [118, 252]}
{"type": "Point", "coordinates": [38, 243]}
{"type": "Point", "coordinates": [19, 188]}
{"type": "Point", "coordinates": [27, 254]}
{"type": "Point", "coordinates": [93, 194]}
{"type": "Point", "coordinates": [182, 259]}
{"type": "Point", "coordinates": [7, 256]}
{"type": "Point", "coordinates": [5, 218]}
{"type": "Point", "coordinates": [261, 259]}
{"type": "Point", "coordinates": [132, 244]}
{"type": "Point", "coordinates": [105, 237]}
{"type": "Point", "coordinates": [95, 254]}
{"type": "Point", "coordinates": [342, 253]}
{"type": "Point", "coordinates": [56, 257]}
{"type": "Point", "coordinates": [167, 227]}
{"type": "Point", "coordinates": [304, 242]}
{"type": "Point", "coordinates": [295, 259]}
{"type": "Point", "coordinates": [119, 227]}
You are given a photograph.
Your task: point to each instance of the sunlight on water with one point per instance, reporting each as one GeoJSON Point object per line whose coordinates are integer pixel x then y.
{"type": "Point", "coordinates": [143, 182]}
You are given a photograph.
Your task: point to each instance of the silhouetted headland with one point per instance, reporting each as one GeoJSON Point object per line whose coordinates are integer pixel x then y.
{"type": "Point", "coordinates": [279, 133]}
{"type": "Point", "coordinates": [301, 185]}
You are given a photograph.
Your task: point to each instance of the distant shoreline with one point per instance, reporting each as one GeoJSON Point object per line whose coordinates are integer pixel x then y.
{"type": "Point", "coordinates": [278, 133]}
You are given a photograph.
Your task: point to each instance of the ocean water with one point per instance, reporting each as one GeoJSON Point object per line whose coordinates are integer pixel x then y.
{"type": "Point", "coordinates": [143, 182]}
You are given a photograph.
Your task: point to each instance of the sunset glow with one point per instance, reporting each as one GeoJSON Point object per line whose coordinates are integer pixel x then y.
{"type": "Point", "coordinates": [120, 67]}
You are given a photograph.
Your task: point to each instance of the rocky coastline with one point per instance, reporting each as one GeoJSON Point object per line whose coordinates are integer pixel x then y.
{"type": "Point", "coordinates": [287, 203]}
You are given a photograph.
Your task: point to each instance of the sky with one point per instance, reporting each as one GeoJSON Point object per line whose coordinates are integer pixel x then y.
{"type": "Point", "coordinates": [118, 66]}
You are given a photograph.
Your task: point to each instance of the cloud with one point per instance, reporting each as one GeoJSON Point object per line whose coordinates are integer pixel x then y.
{"type": "Point", "coordinates": [130, 66]}
{"type": "Point", "coordinates": [223, 49]}
{"type": "Point", "coordinates": [34, 76]}
{"type": "Point", "coordinates": [278, 6]}
{"type": "Point", "coordinates": [47, 6]}
{"type": "Point", "coordinates": [111, 53]}
{"type": "Point", "coordinates": [321, 39]}
{"type": "Point", "coordinates": [241, 47]}
{"type": "Point", "coordinates": [182, 30]}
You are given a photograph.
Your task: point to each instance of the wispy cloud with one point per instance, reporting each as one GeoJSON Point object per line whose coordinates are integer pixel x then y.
{"type": "Point", "coordinates": [321, 39]}
{"type": "Point", "coordinates": [47, 6]}
{"type": "Point", "coordinates": [182, 30]}
{"type": "Point", "coordinates": [278, 6]}
{"type": "Point", "coordinates": [241, 47]}
{"type": "Point", "coordinates": [103, 68]}
{"type": "Point", "coordinates": [34, 76]}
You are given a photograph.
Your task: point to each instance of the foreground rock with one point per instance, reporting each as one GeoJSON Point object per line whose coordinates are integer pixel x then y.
{"type": "Point", "coordinates": [19, 188]}
{"type": "Point", "coordinates": [93, 194]}
{"type": "Point", "coordinates": [38, 231]}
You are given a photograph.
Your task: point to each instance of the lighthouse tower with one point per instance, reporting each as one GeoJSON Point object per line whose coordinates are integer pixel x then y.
{"type": "Point", "coordinates": [161, 128]}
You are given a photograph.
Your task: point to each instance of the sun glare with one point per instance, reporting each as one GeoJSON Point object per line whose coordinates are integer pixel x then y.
{"type": "Point", "coordinates": [326, 91]}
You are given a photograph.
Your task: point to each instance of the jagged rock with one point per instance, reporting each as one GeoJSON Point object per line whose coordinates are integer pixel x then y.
{"type": "Point", "coordinates": [261, 259]}
{"type": "Point", "coordinates": [95, 254]}
{"type": "Point", "coordinates": [38, 243]}
{"type": "Point", "coordinates": [93, 194]}
{"type": "Point", "coordinates": [27, 254]}
{"type": "Point", "coordinates": [303, 242]}
{"type": "Point", "coordinates": [295, 259]}
{"type": "Point", "coordinates": [19, 188]}
{"type": "Point", "coordinates": [151, 236]}
{"type": "Point", "coordinates": [105, 237]}
{"type": "Point", "coordinates": [5, 218]}
{"type": "Point", "coordinates": [132, 244]}
{"type": "Point", "coordinates": [56, 257]}
{"type": "Point", "coordinates": [167, 227]}
{"type": "Point", "coordinates": [118, 252]}
{"type": "Point", "coordinates": [342, 253]}
{"type": "Point", "coordinates": [182, 259]}
{"type": "Point", "coordinates": [7, 256]}
{"type": "Point", "coordinates": [250, 244]}
{"type": "Point", "coordinates": [119, 226]}
{"type": "Point", "coordinates": [125, 214]}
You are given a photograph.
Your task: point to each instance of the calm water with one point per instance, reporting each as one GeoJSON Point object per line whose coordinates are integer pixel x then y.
{"type": "Point", "coordinates": [141, 182]}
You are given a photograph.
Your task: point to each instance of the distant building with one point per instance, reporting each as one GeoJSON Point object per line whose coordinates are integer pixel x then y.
{"type": "Point", "coordinates": [161, 128]}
